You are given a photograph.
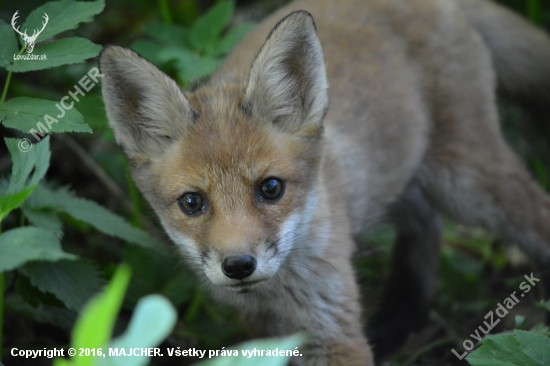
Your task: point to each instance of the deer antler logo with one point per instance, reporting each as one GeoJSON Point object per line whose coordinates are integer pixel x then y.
{"type": "Point", "coordinates": [29, 40]}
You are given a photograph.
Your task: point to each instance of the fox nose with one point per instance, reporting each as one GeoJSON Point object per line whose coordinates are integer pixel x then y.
{"type": "Point", "coordinates": [239, 266]}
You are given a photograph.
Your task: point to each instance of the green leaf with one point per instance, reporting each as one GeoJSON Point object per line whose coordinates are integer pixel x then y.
{"type": "Point", "coordinates": [63, 15]}
{"type": "Point", "coordinates": [153, 320]}
{"type": "Point", "coordinates": [43, 154]}
{"type": "Point", "coordinates": [149, 49]}
{"type": "Point", "coordinates": [90, 213]}
{"type": "Point", "coordinates": [61, 362]}
{"type": "Point", "coordinates": [535, 346]}
{"type": "Point", "coordinates": [168, 33]}
{"type": "Point", "coordinates": [168, 277]}
{"type": "Point", "coordinates": [47, 314]}
{"type": "Point", "coordinates": [46, 220]}
{"type": "Point", "coordinates": [95, 325]}
{"type": "Point", "coordinates": [205, 32]}
{"type": "Point", "coordinates": [191, 71]}
{"type": "Point", "coordinates": [521, 349]}
{"type": "Point", "coordinates": [64, 51]}
{"type": "Point", "coordinates": [102, 219]}
{"type": "Point", "coordinates": [543, 305]}
{"type": "Point", "coordinates": [43, 197]}
{"type": "Point", "coordinates": [73, 282]}
{"type": "Point", "coordinates": [10, 202]}
{"type": "Point", "coordinates": [24, 113]}
{"type": "Point", "coordinates": [32, 294]}
{"type": "Point", "coordinates": [22, 245]}
{"type": "Point", "coordinates": [232, 38]}
{"type": "Point", "coordinates": [286, 343]}
{"type": "Point", "coordinates": [8, 46]}
{"type": "Point", "coordinates": [92, 108]}
{"type": "Point", "coordinates": [23, 164]}
{"type": "Point", "coordinates": [190, 66]}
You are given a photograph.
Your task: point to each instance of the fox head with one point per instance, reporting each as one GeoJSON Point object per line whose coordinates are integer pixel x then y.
{"type": "Point", "coordinates": [230, 169]}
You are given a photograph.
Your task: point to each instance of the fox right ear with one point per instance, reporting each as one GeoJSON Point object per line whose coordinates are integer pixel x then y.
{"type": "Point", "coordinates": [146, 109]}
{"type": "Point", "coordinates": [288, 83]}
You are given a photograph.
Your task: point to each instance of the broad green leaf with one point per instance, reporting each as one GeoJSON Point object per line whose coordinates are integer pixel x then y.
{"type": "Point", "coordinates": [26, 114]}
{"type": "Point", "coordinates": [43, 197]}
{"type": "Point", "coordinates": [198, 68]}
{"type": "Point", "coordinates": [64, 51]}
{"type": "Point", "coordinates": [149, 49]}
{"type": "Point", "coordinates": [45, 219]}
{"type": "Point", "coordinates": [73, 282]}
{"type": "Point", "coordinates": [95, 325]}
{"type": "Point", "coordinates": [287, 343]}
{"type": "Point", "coordinates": [102, 219]}
{"type": "Point", "coordinates": [232, 38]}
{"type": "Point", "coordinates": [153, 320]}
{"type": "Point", "coordinates": [536, 346]}
{"type": "Point", "coordinates": [43, 313]}
{"type": "Point", "coordinates": [521, 349]}
{"type": "Point", "coordinates": [168, 277]}
{"type": "Point", "coordinates": [168, 33]}
{"type": "Point", "coordinates": [23, 164]}
{"type": "Point", "coordinates": [32, 294]}
{"type": "Point", "coordinates": [42, 152]}
{"type": "Point", "coordinates": [190, 66]}
{"type": "Point", "coordinates": [172, 53]}
{"type": "Point", "coordinates": [8, 46]}
{"type": "Point", "coordinates": [90, 213]}
{"type": "Point", "coordinates": [92, 108]}
{"type": "Point", "coordinates": [63, 15]}
{"type": "Point", "coordinates": [22, 245]}
{"type": "Point", "coordinates": [205, 32]}
{"type": "Point", "coordinates": [10, 202]}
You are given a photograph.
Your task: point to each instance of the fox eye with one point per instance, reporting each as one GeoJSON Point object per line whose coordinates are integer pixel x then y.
{"type": "Point", "coordinates": [271, 189]}
{"type": "Point", "coordinates": [191, 203]}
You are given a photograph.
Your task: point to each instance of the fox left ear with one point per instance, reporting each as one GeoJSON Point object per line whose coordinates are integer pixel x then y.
{"type": "Point", "coordinates": [146, 109]}
{"type": "Point", "coordinates": [288, 84]}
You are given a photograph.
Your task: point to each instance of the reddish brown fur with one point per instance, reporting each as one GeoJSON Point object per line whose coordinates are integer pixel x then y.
{"type": "Point", "coordinates": [412, 94]}
{"type": "Point", "coordinates": [225, 146]}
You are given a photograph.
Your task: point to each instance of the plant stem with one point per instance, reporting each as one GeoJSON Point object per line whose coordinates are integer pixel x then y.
{"type": "Point", "coordinates": [6, 86]}
{"type": "Point", "coordinates": [5, 92]}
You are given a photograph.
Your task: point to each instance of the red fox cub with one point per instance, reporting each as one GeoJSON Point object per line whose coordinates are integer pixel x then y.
{"type": "Point", "coordinates": [314, 129]}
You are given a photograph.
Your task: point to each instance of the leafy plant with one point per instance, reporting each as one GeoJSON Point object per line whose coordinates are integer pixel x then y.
{"type": "Point", "coordinates": [192, 53]}
{"type": "Point", "coordinates": [522, 349]}
{"type": "Point", "coordinates": [153, 319]}
{"type": "Point", "coordinates": [54, 284]}
{"type": "Point", "coordinates": [31, 249]}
